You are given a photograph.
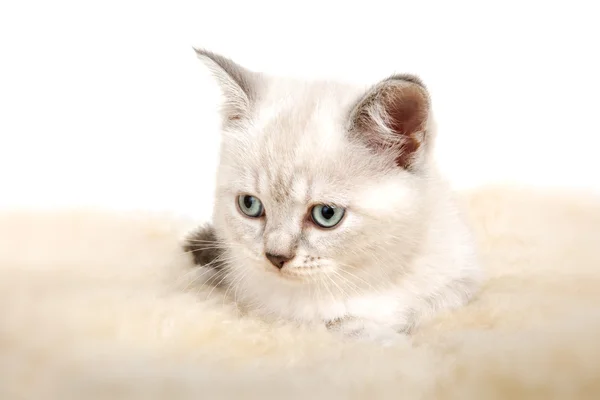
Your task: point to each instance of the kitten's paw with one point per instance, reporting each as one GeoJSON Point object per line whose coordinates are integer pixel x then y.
{"type": "Point", "coordinates": [360, 329]}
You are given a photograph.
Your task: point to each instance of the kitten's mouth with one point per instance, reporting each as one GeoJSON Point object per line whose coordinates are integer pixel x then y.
{"type": "Point", "coordinates": [299, 273]}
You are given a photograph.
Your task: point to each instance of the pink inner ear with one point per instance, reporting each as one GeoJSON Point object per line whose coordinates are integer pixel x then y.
{"type": "Point", "coordinates": [406, 109]}
{"type": "Point", "coordinates": [403, 108]}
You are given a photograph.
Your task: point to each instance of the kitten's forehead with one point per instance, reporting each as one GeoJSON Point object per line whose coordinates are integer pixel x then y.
{"type": "Point", "coordinates": [300, 151]}
{"type": "Point", "coordinates": [305, 174]}
{"type": "Point", "coordinates": [283, 185]}
{"type": "Point", "coordinates": [302, 118]}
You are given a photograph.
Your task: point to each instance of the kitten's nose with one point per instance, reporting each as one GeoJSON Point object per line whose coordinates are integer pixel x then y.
{"type": "Point", "coordinates": [277, 259]}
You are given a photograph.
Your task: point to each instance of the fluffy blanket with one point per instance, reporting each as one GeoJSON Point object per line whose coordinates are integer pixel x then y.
{"type": "Point", "coordinates": [102, 305]}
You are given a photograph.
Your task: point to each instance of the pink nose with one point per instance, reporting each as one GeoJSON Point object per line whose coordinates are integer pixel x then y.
{"type": "Point", "coordinates": [277, 259]}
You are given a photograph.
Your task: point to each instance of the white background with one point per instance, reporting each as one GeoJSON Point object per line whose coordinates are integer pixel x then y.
{"type": "Point", "coordinates": [104, 104]}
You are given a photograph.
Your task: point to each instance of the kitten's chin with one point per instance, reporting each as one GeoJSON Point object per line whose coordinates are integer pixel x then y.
{"type": "Point", "coordinates": [301, 274]}
{"type": "Point", "coordinates": [298, 274]}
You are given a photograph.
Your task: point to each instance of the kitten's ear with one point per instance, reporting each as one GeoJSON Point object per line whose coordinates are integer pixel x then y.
{"type": "Point", "coordinates": [236, 82]}
{"type": "Point", "coordinates": [392, 117]}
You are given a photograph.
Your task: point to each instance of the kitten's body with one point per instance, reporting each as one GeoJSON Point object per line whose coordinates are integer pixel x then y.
{"type": "Point", "coordinates": [402, 251]}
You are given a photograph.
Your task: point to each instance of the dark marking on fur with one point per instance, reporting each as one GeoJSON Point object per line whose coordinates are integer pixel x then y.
{"type": "Point", "coordinates": [281, 188]}
{"type": "Point", "coordinates": [205, 247]}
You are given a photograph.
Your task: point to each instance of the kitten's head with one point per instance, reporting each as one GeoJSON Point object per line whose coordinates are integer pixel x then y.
{"type": "Point", "coordinates": [320, 182]}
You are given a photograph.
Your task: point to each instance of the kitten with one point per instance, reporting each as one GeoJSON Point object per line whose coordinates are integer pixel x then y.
{"type": "Point", "coordinates": [329, 207]}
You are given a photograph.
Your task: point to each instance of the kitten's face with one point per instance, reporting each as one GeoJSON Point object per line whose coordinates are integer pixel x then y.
{"type": "Point", "coordinates": [304, 194]}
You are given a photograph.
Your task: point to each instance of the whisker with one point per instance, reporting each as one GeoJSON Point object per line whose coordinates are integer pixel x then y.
{"type": "Point", "coordinates": [225, 276]}
{"type": "Point", "coordinates": [238, 286]}
{"type": "Point", "coordinates": [354, 275]}
{"type": "Point", "coordinates": [194, 270]}
{"type": "Point", "coordinates": [211, 242]}
{"type": "Point", "coordinates": [353, 286]}
{"type": "Point", "coordinates": [198, 278]}
{"type": "Point", "coordinates": [327, 287]}
{"type": "Point", "coordinates": [233, 284]}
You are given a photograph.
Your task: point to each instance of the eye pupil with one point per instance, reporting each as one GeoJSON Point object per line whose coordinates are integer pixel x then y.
{"type": "Point", "coordinates": [248, 201]}
{"type": "Point", "coordinates": [327, 212]}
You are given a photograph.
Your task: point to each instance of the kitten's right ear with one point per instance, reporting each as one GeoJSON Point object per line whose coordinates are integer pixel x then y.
{"type": "Point", "coordinates": [393, 118]}
{"type": "Point", "coordinates": [236, 82]}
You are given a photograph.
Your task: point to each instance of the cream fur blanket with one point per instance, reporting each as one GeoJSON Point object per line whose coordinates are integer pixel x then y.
{"type": "Point", "coordinates": [93, 306]}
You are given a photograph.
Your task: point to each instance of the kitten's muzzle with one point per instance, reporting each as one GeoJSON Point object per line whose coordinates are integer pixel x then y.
{"type": "Point", "coordinates": [278, 260]}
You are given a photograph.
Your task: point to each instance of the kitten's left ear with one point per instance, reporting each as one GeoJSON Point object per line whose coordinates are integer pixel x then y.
{"type": "Point", "coordinates": [392, 118]}
{"type": "Point", "coordinates": [239, 85]}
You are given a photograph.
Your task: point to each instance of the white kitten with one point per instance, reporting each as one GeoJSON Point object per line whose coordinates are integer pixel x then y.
{"type": "Point", "coordinates": [329, 208]}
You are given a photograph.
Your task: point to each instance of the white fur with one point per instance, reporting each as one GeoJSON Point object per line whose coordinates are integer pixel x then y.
{"type": "Point", "coordinates": [403, 251]}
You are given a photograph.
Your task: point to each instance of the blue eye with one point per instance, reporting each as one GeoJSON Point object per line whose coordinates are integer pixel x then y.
{"type": "Point", "coordinates": [250, 206]}
{"type": "Point", "coordinates": [327, 216]}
